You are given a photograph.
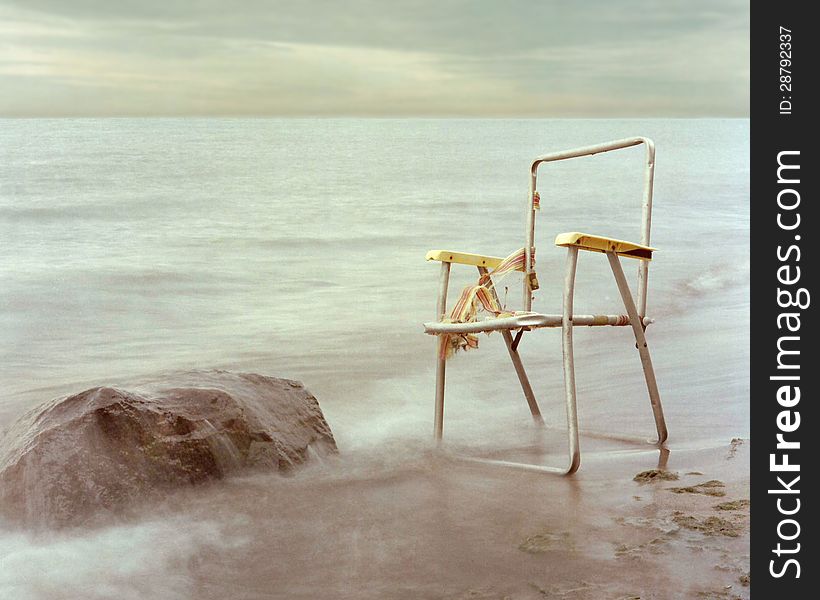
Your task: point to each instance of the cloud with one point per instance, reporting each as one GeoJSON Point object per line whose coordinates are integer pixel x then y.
{"type": "Point", "coordinates": [631, 58]}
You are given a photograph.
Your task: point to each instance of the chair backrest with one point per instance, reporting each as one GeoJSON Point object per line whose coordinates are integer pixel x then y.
{"type": "Point", "coordinates": [646, 212]}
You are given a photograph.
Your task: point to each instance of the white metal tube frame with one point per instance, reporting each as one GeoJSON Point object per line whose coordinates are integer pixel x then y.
{"type": "Point", "coordinates": [636, 315]}
{"type": "Point", "coordinates": [646, 205]}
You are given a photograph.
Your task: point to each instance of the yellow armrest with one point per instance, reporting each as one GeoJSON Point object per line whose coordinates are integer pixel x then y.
{"type": "Point", "coordinates": [463, 258]}
{"type": "Point", "coordinates": [595, 243]}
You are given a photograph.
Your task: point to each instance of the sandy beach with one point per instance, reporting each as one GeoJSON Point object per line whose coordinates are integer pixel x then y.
{"type": "Point", "coordinates": [443, 530]}
{"type": "Point", "coordinates": [428, 528]}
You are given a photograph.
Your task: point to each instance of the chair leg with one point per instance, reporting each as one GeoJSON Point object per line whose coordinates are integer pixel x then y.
{"type": "Point", "coordinates": [519, 366]}
{"type": "Point", "coordinates": [569, 382]}
{"type": "Point", "coordinates": [439, 420]}
{"type": "Point", "coordinates": [522, 377]}
{"type": "Point", "coordinates": [441, 364]}
{"type": "Point", "coordinates": [640, 340]}
{"type": "Point", "coordinates": [569, 362]}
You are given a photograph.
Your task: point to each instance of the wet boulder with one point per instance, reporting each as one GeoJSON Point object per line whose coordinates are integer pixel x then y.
{"type": "Point", "coordinates": [107, 448]}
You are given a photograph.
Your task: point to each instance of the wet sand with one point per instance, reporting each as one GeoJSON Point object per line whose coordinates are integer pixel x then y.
{"type": "Point", "coordinates": [430, 527]}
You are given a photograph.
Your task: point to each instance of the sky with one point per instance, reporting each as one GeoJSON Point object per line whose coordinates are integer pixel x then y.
{"type": "Point", "coordinates": [472, 58]}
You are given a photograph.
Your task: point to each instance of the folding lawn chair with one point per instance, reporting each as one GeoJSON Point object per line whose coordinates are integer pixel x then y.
{"type": "Point", "coordinates": [459, 328]}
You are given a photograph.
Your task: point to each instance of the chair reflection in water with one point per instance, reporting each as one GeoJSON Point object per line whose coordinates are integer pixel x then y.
{"type": "Point", "coordinates": [459, 328]}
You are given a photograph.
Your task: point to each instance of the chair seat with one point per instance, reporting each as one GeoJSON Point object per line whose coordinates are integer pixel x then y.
{"type": "Point", "coordinates": [527, 319]}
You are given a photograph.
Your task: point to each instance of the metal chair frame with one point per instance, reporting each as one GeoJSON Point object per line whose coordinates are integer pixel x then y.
{"type": "Point", "coordinates": [635, 312]}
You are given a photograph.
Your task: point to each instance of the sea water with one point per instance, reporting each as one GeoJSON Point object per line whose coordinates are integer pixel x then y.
{"type": "Point", "coordinates": [295, 248]}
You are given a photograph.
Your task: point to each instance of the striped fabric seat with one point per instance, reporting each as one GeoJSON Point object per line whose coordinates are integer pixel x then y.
{"type": "Point", "coordinates": [473, 298]}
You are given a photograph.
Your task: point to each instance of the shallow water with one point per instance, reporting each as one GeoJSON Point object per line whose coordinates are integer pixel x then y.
{"type": "Point", "coordinates": [295, 248]}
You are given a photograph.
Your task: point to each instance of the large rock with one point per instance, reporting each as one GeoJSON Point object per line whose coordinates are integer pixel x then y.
{"type": "Point", "coordinates": [77, 457]}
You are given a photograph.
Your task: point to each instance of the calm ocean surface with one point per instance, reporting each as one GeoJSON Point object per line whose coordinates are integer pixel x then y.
{"type": "Point", "coordinates": [295, 248]}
